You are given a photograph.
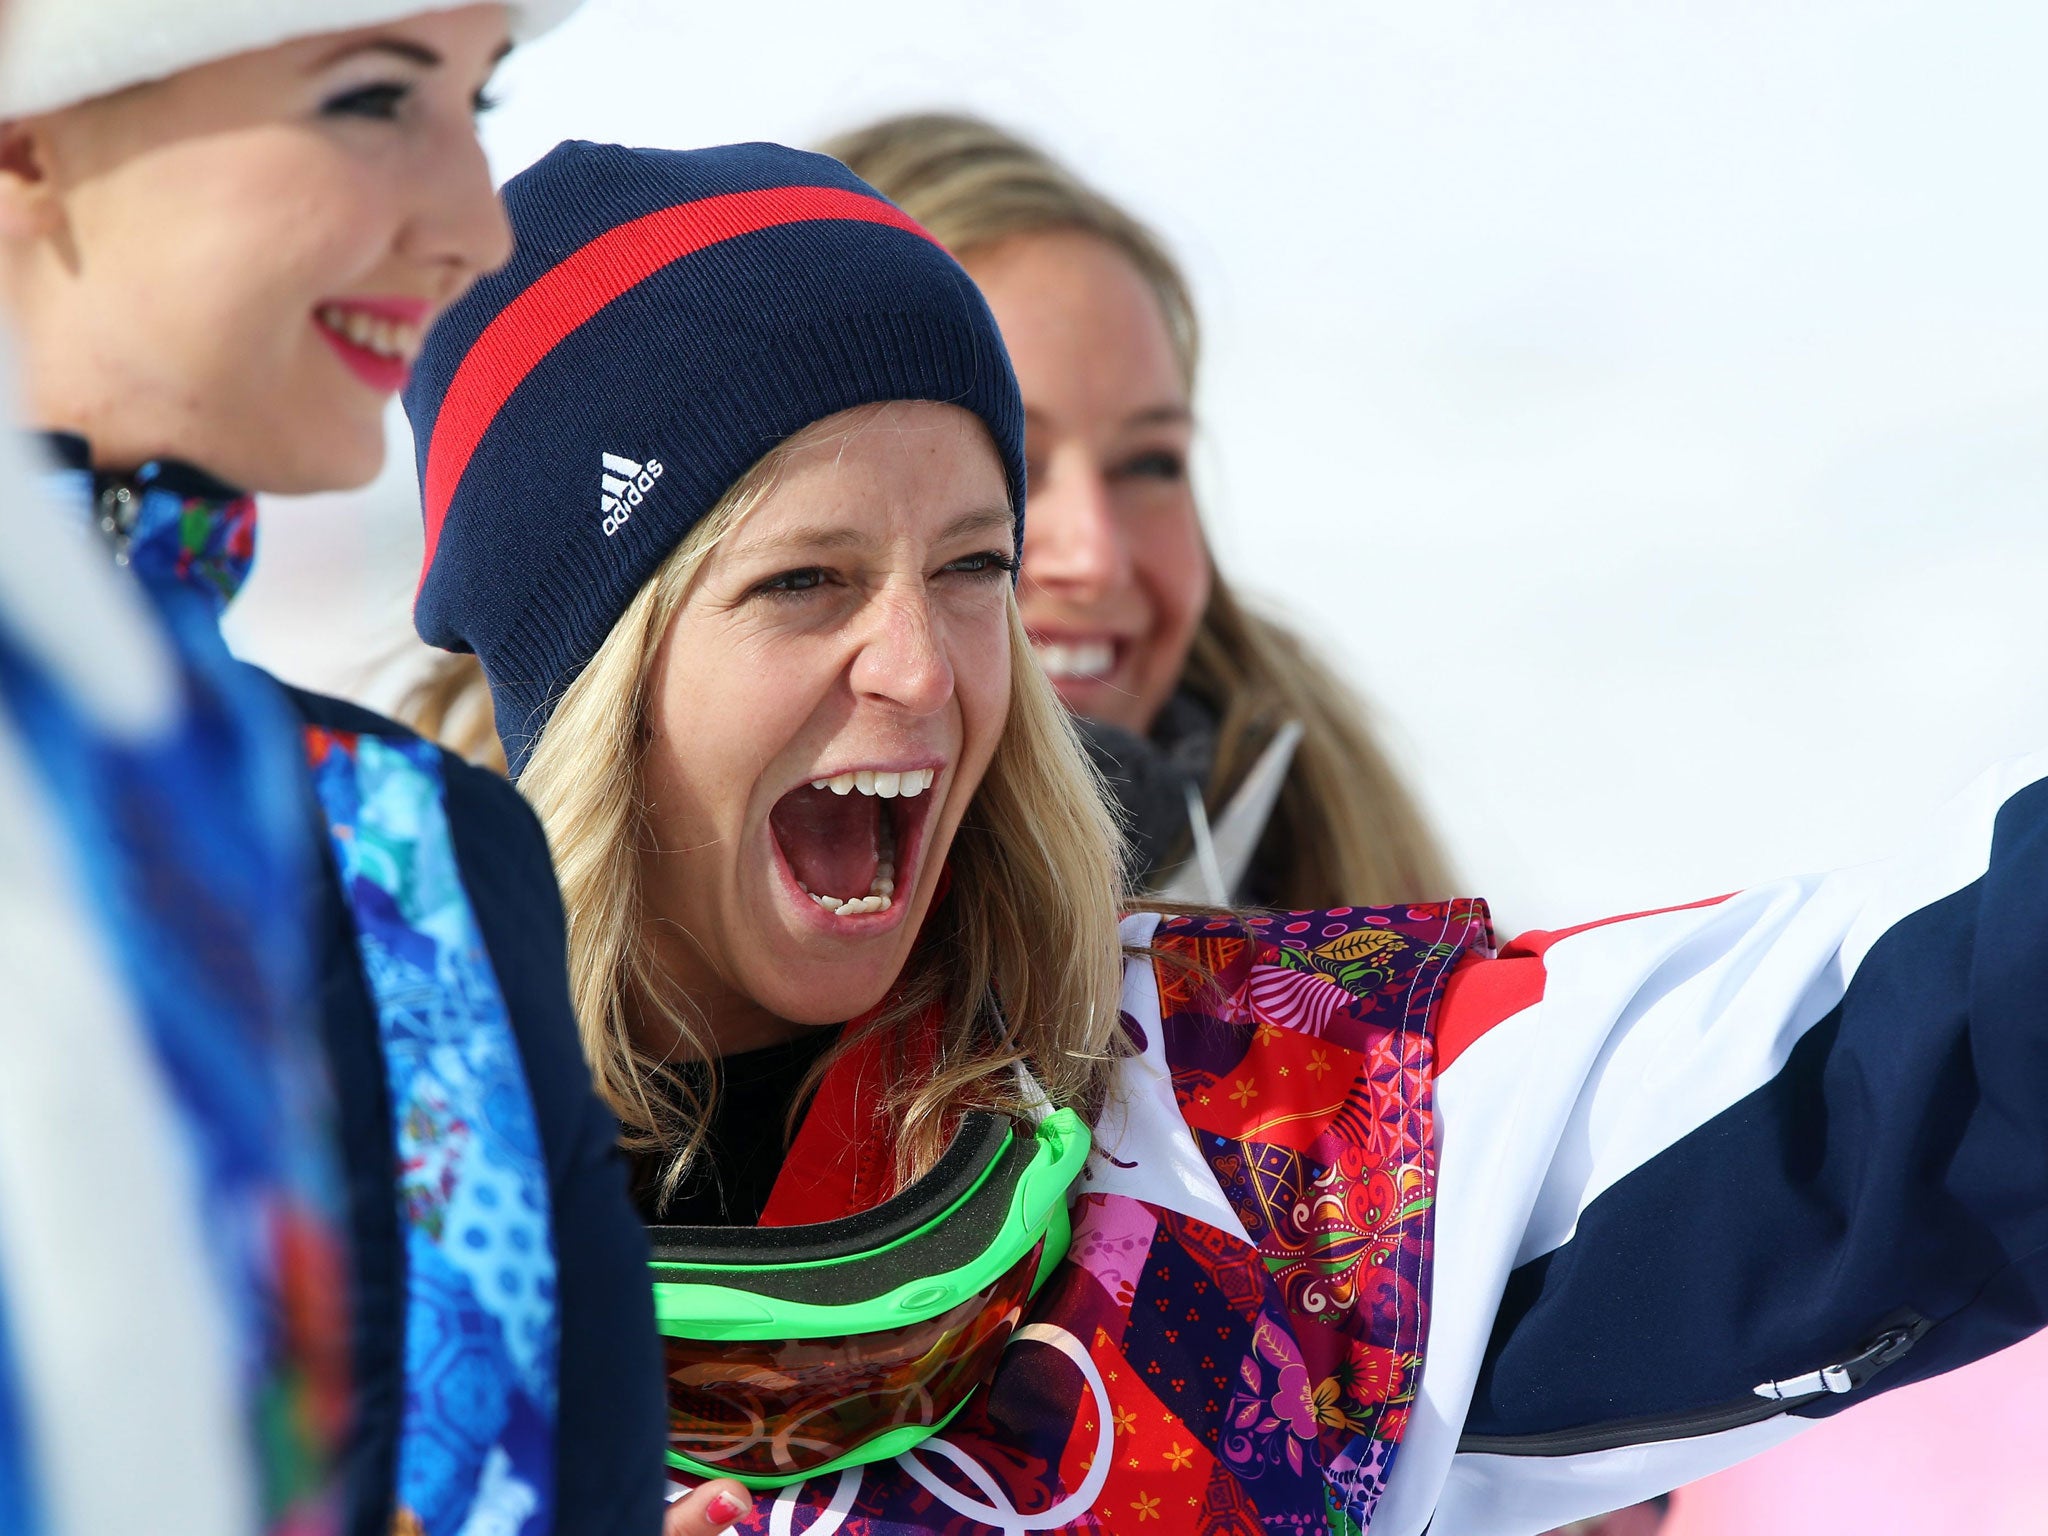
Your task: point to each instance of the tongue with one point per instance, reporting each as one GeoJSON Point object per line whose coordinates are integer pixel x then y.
{"type": "Point", "coordinates": [830, 840]}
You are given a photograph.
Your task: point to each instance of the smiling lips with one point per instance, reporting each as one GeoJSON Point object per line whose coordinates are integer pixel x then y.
{"type": "Point", "coordinates": [377, 338]}
{"type": "Point", "coordinates": [844, 833]}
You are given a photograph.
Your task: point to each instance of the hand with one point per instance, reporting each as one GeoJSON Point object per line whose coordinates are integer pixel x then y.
{"type": "Point", "coordinates": [706, 1511]}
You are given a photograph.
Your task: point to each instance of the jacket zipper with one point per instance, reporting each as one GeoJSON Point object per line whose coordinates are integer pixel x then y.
{"type": "Point", "coordinates": [1766, 1400]}
{"type": "Point", "coordinates": [118, 509]}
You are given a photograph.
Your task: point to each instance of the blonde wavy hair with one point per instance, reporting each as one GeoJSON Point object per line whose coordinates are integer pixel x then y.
{"type": "Point", "coordinates": [1020, 956]}
{"type": "Point", "coordinates": [1346, 829]}
{"type": "Point", "coordinates": [450, 703]}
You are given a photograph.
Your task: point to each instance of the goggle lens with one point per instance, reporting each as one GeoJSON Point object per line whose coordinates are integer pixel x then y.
{"type": "Point", "coordinates": [784, 1408]}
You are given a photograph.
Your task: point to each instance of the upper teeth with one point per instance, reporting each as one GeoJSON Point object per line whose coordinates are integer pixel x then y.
{"type": "Point", "coordinates": [373, 333]}
{"type": "Point", "coordinates": [1074, 658]}
{"type": "Point", "coordinates": [908, 783]}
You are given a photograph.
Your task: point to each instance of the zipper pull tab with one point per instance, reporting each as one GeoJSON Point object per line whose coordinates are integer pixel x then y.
{"type": "Point", "coordinates": [1849, 1374]}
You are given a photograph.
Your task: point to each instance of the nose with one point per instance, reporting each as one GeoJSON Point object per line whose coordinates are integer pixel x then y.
{"type": "Point", "coordinates": [459, 227]}
{"type": "Point", "coordinates": [1074, 544]}
{"type": "Point", "coordinates": [902, 659]}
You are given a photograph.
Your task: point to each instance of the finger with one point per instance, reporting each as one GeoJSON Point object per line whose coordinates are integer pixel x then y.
{"type": "Point", "coordinates": [706, 1511]}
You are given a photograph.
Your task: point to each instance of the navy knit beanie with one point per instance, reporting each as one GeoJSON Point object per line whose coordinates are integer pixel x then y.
{"type": "Point", "coordinates": [668, 318]}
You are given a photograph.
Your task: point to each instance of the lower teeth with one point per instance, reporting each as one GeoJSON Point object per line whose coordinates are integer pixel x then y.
{"type": "Point", "coordinates": [881, 890]}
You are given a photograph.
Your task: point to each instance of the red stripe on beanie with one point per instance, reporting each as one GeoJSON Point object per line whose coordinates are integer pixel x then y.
{"type": "Point", "coordinates": [577, 287]}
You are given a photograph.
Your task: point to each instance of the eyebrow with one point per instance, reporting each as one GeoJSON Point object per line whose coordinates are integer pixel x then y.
{"type": "Point", "coordinates": [1174, 414]}
{"type": "Point", "coordinates": [398, 48]}
{"type": "Point", "coordinates": [834, 536]}
{"type": "Point", "coordinates": [1160, 415]}
{"type": "Point", "coordinates": [981, 520]}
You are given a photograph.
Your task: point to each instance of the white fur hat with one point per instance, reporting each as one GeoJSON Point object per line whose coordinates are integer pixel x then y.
{"type": "Point", "coordinates": [56, 52]}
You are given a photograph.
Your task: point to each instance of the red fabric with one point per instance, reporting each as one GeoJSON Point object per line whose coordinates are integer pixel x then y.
{"type": "Point", "coordinates": [839, 1164]}
{"type": "Point", "coordinates": [577, 287]}
{"type": "Point", "coordinates": [1286, 1092]}
{"type": "Point", "coordinates": [1483, 992]}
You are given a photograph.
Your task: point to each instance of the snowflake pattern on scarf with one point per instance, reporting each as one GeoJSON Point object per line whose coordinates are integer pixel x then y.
{"type": "Point", "coordinates": [476, 1451]}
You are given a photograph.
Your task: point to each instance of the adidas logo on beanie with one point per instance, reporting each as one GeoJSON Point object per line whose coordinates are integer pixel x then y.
{"type": "Point", "coordinates": [626, 484]}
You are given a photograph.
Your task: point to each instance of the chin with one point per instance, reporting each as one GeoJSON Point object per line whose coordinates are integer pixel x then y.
{"type": "Point", "coordinates": [328, 446]}
{"type": "Point", "coordinates": [822, 1007]}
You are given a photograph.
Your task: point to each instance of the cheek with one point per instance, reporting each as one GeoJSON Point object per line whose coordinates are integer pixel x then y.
{"type": "Point", "coordinates": [331, 243]}
{"type": "Point", "coordinates": [981, 673]}
{"type": "Point", "coordinates": [1172, 564]}
{"type": "Point", "coordinates": [717, 721]}
{"type": "Point", "coordinates": [238, 242]}
{"type": "Point", "coordinates": [202, 301]}
{"type": "Point", "coordinates": [695, 767]}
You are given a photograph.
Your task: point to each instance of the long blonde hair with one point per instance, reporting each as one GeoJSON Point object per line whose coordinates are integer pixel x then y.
{"type": "Point", "coordinates": [1345, 830]}
{"type": "Point", "coordinates": [1020, 957]}
{"type": "Point", "coordinates": [450, 702]}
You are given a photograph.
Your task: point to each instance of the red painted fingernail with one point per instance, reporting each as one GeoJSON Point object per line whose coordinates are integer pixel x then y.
{"type": "Point", "coordinates": [725, 1509]}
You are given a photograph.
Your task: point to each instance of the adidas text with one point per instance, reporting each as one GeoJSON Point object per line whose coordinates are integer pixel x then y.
{"type": "Point", "coordinates": [626, 485]}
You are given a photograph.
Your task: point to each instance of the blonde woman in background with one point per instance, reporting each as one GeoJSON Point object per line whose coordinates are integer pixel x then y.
{"type": "Point", "coordinates": [1143, 637]}
{"type": "Point", "coordinates": [1141, 633]}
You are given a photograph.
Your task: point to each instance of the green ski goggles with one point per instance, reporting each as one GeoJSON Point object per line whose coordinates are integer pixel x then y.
{"type": "Point", "coordinates": [792, 1351]}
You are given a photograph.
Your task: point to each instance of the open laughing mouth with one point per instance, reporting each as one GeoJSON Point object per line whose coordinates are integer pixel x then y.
{"type": "Point", "coordinates": [841, 840]}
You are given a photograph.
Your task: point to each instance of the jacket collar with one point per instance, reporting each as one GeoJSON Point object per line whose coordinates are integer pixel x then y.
{"type": "Point", "coordinates": [173, 524]}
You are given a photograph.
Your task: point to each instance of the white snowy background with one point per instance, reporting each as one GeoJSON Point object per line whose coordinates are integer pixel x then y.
{"type": "Point", "coordinates": [1648, 401]}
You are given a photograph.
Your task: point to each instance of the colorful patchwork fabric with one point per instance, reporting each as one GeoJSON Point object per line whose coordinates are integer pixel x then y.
{"type": "Point", "coordinates": [477, 1448]}
{"type": "Point", "coordinates": [1233, 1342]}
{"type": "Point", "coordinates": [191, 847]}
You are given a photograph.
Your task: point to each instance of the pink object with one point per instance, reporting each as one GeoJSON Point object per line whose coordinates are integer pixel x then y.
{"type": "Point", "coordinates": [1960, 1453]}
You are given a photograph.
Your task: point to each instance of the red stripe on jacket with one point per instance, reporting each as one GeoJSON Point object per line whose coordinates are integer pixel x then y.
{"type": "Point", "coordinates": [1482, 991]}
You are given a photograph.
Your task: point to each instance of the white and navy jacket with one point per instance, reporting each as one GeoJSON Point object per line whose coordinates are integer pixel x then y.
{"type": "Point", "coordinates": [1711, 1173]}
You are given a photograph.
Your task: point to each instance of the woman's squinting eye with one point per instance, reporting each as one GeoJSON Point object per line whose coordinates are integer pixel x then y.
{"type": "Point", "coordinates": [1159, 464]}
{"type": "Point", "coordinates": [990, 562]}
{"type": "Point", "coordinates": [381, 100]}
{"type": "Point", "coordinates": [794, 583]}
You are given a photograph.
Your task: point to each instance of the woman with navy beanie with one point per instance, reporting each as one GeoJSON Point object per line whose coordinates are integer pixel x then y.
{"type": "Point", "coordinates": [224, 230]}
{"type": "Point", "coordinates": [975, 1208]}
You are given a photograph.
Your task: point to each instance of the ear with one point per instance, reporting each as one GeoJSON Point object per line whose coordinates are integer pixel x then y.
{"type": "Point", "coordinates": [29, 206]}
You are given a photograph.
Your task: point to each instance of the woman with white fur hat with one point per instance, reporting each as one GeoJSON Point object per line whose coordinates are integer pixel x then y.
{"type": "Point", "coordinates": [224, 230]}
